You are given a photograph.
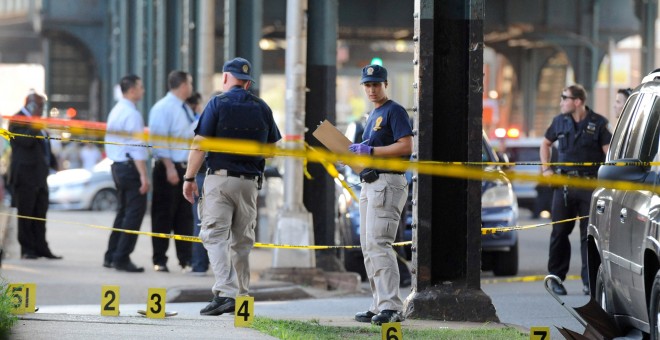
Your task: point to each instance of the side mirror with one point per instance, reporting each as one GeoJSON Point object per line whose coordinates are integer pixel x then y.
{"type": "Point", "coordinates": [504, 158]}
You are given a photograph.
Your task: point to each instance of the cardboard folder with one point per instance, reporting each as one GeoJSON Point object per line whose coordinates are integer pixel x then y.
{"type": "Point", "coordinates": [334, 140]}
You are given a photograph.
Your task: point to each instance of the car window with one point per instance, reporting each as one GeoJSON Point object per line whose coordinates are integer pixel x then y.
{"type": "Point", "coordinates": [523, 154]}
{"type": "Point", "coordinates": [649, 147]}
{"type": "Point", "coordinates": [622, 129]}
{"type": "Point", "coordinates": [635, 130]}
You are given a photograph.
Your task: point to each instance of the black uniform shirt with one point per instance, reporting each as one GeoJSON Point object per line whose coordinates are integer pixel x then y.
{"type": "Point", "coordinates": [238, 114]}
{"type": "Point", "coordinates": [580, 142]}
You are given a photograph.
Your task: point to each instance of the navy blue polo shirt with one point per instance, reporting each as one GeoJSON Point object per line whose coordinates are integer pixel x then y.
{"type": "Point", "coordinates": [387, 124]}
{"type": "Point", "coordinates": [580, 142]}
{"type": "Point", "coordinates": [238, 114]}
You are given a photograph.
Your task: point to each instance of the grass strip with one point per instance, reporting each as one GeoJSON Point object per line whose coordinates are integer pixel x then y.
{"type": "Point", "coordinates": [312, 329]}
{"type": "Point", "coordinates": [7, 319]}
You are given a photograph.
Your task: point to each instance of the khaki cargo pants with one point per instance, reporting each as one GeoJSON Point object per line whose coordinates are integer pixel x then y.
{"type": "Point", "coordinates": [228, 214]}
{"type": "Point", "coordinates": [381, 203]}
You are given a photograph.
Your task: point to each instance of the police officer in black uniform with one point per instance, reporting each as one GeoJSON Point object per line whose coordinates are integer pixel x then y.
{"type": "Point", "coordinates": [582, 136]}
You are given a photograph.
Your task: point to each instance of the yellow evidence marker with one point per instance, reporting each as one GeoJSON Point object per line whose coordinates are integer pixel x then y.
{"type": "Point", "coordinates": [244, 312]}
{"type": "Point", "coordinates": [110, 300]}
{"type": "Point", "coordinates": [16, 292]}
{"type": "Point", "coordinates": [539, 333]}
{"type": "Point", "coordinates": [30, 297]}
{"type": "Point", "coordinates": [156, 303]}
{"type": "Point", "coordinates": [391, 331]}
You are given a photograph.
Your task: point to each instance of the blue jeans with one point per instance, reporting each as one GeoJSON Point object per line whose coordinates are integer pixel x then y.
{"type": "Point", "coordinates": [200, 258]}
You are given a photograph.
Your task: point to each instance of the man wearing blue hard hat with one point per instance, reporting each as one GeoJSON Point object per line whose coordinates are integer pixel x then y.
{"type": "Point", "coordinates": [228, 207]}
{"type": "Point", "coordinates": [387, 133]}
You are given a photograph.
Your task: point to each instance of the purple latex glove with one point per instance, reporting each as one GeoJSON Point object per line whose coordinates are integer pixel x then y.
{"type": "Point", "coordinates": [360, 149]}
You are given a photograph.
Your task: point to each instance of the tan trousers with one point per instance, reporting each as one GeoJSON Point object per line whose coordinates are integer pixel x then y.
{"type": "Point", "coordinates": [381, 203]}
{"type": "Point", "coordinates": [228, 214]}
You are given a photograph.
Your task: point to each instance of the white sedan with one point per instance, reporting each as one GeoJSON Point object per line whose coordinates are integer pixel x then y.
{"type": "Point", "coordinates": [83, 189]}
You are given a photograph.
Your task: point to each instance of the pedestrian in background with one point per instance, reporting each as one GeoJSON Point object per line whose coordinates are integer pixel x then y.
{"type": "Point", "coordinates": [228, 209]}
{"type": "Point", "coordinates": [90, 156]}
{"type": "Point", "coordinates": [581, 136]}
{"type": "Point", "coordinates": [31, 161]}
{"type": "Point", "coordinates": [200, 258]}
{"type": "Point", "coordinates": [620, 100]}
{"type": "Point", "coordinates": [171, 119]}
{"type": "Point", "coordinates": [387, 133]}
{"type": "Point", "coordinates": [129, 172]}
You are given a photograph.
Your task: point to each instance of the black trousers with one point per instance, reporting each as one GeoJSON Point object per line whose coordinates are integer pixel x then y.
{"type": "Point", "coordinates": [32, 201]}
{"type": "Point", "coordinates": [576, 204]}
{"type": "Point", "coordinates": [132, 206]}
{"type": "Point", "coordinates": [170, 213]}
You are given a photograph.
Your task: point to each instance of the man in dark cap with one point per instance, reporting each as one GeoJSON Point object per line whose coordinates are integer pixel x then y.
{"type": "Point", "coordinates": [228, 207]}
{"type": "Point", "coordinates": [383, 196]}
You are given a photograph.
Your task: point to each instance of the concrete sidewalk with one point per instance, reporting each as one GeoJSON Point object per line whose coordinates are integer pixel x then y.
{"type": "Point", "coordinates": [69, 292]}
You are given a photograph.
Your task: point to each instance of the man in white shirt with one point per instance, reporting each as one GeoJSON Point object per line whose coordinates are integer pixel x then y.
{"type": "Point", "coordinates": [171, 119]}
{"type": "Point", "coordinates": [129, 171]}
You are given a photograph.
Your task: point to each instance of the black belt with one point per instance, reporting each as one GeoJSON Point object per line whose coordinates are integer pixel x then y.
{"type": "Point", "coordinates": [391, 172]}
{"type": "Point", "coordinates": [229, 173]}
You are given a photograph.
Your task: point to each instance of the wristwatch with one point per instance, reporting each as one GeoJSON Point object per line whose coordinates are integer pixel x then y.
{"type": "Point", "coordinates": [188, 179]}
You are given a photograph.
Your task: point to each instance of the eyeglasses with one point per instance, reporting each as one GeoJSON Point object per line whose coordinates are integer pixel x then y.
{"type": "Point", "coordinates": [567, 97]}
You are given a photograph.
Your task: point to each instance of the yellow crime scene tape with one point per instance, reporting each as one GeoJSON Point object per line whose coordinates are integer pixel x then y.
{"type": "Point", "coordinates": [462, 170]}
{"type": "Point", "coordinates": [528, 278]}
{"type": "Point", "coordinates": [192, 238]}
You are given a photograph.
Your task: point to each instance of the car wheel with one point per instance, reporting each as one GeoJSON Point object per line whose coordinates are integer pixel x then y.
{"type": "Point", "coordinates": [506, 263]}
{"type": "Point", "coordinates": [601, 295]}
{"type": "Point", "coordinates": [654, 309]}
{"type": "Point", "coordinates": [105, 200]}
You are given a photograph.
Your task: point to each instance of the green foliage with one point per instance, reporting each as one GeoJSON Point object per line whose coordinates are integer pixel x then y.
{"type": "Point", "coordinates": [287, 329]}
{"type": "Point", "coordinates": [7, 319]}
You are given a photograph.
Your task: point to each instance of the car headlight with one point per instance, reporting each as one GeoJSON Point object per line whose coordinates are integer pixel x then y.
{"type": "Point", "coordinates": [497, 196]}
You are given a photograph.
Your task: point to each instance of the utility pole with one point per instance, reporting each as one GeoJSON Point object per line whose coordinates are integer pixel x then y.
{"type": "Point", "coordinates": [295, 224]}
{"type": "Point", "coordinates": [205, 50]}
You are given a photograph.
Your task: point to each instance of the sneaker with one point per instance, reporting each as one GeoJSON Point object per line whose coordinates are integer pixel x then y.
{"type": "Point", "coordinates": [161, 268]}
{"type": "Point", "coordinates": [107, 264]}
{"type": "Point", "coordinates": [557, 287]}
{"type": "Point", "coordinates": [364, 316]}
{"type": "Point", "coordinates": [585, 290]}
{"type": "Point", "coordinates": [219, 305]}
{"type": "Point", "coordinates": [387, 316]}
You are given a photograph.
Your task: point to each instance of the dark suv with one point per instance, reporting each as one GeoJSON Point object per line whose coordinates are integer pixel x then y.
{"type": "Point", "coordinates": [623, 241]}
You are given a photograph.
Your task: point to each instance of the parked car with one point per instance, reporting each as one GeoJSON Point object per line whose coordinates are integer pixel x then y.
{"type": "Point", "coordinates": [499, 208]}
{"type": "Point", "coordinates": [623, 233]}
{"type": "Point", "coordinates": [83, 189]}
{"type": "Point", "coordinates": [536, 198]}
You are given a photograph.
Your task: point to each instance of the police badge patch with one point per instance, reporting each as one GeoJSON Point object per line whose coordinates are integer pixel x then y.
{"type": "Point", "coordinates": [370, 71]}
{"type": "Point", "coordinates": [245, 69]}
{"type": "Point", "coordinates": [591, 128]}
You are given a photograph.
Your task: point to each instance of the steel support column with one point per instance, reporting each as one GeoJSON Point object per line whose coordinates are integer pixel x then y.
{"type": "Point", "coordinates": [649, 12]}
{"type": "Point", "coordinates": [447, 242]}
{"type": "Point", "coordinates": [319, 192]}
{"type": "Point", "coordinates": [243, 24]}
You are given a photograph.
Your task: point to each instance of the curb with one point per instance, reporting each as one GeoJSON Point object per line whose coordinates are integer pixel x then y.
{"type": "Point", "coordinates": [260, 290]}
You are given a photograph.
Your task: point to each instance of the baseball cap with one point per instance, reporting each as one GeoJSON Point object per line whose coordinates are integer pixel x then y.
{"type": "Point", "coordinates": [239, 68]}
{"type": "Point", "coordinates": [373, 73]}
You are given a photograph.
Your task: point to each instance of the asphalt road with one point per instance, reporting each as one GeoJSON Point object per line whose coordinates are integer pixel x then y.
{"type": "Point", "coordinates": [76, 280]}
{"type": "Point", "coordinates": [528, 304]}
